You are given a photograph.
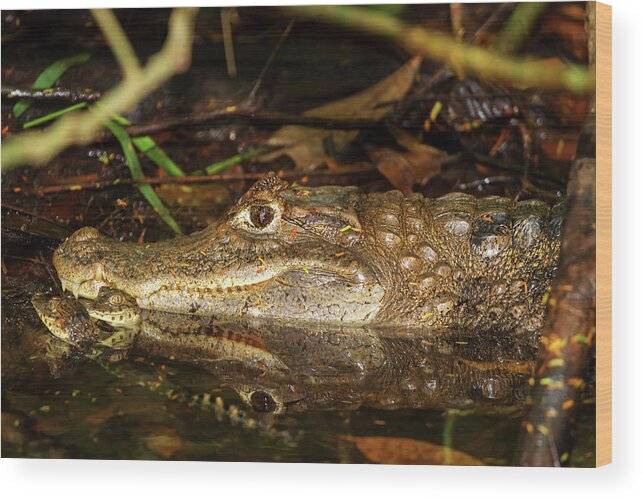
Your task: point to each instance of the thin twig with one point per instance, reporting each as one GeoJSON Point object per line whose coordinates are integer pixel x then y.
{"type": "Point", "coordinates": [483, 182]}
{"type": "Point", "coordinates": [456, 20]}
{"type": "Point", "coordinates": [228, 43]}
{"type": "Point", "coordinates": [197, 179]}
{"type": "Point", "coordinates": [444, 73]}
{"type": "Point", "coordinates": [518, 26]}
{"type": "Point", "coordinates": [224, 116]}
{"type": "Point", "coordinates": [508, 165]}
{"type": "Point", "coordinates": [51, 94]}
{"type": "Point", "coordinates": [33, 214]}
{"type": "Point", "coordinates": [482, 30]}
{"type": "Point", "coordinates": [270, 60]}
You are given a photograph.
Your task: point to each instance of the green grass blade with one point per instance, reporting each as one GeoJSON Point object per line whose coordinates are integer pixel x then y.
{"type": "Point", "coordinates": [151, 149]}
{"type": "Point", "coordinates": [144, 144]}
{"type": "Point", "coordinates": [48, 78]}
{"type": "Point", "coordinates": [233, 160]}
{"type": "Point", "coordinates": [148, 147]}
{"type": "Point", "coordinates": [54, 115]}
{"type": "Point", "coordinates": [137, 173]}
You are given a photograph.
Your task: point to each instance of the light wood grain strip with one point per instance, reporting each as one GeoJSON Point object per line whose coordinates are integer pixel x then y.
{"type": "Point", "coordinates": [603, 234]}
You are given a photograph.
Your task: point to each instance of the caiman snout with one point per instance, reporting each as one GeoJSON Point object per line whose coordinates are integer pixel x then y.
{"type": "Point", "coordinates": [229, 274]}
{"type": "Point", "coordinates": [84, 234]}
{"type": "Point", "coordinates": [79, 262]}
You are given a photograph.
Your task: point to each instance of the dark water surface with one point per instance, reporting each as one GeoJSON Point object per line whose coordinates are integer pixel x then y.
{"type": "Point", "coordinates": [328, 397]}
{"type": "Point", "coordinates": [96, 416]}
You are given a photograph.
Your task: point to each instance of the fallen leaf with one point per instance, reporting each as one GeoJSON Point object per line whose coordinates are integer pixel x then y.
{"type": "Point", "coordinates": [306, 145]}
{"type": "Point", "coordinates": [417, 165]}
{"type": "Point", "coordinates": [194, 195]}
{"type": "Point", "coordinates": [393, 450]}
{"type": "Point", "coordinates": [394, 166]}
{"type": "Point", "coordinates": [100, 416]}
{"type": "Point", "coordinates": [165, 443]}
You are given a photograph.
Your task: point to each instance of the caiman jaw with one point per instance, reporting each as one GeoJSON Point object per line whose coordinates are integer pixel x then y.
{"type": "Point", "coordinates": [76, 264]}
{"type": "Point", "coordinates": [211, 273]}
{"type": "Point", "coordinates": [89, 288]}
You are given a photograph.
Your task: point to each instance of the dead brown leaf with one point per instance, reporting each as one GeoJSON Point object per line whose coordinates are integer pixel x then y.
{"type": "Point", "coordinates": [417, 165]}
{"type": "Point", "coordinates": [100, 416]}
{"type": "Point", "coordinates": [164, 443]}
{"type": "Point", "coordinates": [306, 145]}
{"type": "Point", "coordinates": [194, 195]}
{"type": "Point", "coordinates": [393, 450]}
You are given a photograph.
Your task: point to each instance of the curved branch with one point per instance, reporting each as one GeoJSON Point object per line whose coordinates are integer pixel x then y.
{"type": "Point", "coordinates": [80, 127]}
{"type": "Point", "coordinates": [472, 60]}
{"type": "Point", "coordinates": [118, 42]}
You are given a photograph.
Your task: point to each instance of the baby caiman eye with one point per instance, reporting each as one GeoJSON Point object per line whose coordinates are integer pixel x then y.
{"type": "Point", "coordinates": [116, 299]}
{"type": "Point", "coordinates": [261, 216]}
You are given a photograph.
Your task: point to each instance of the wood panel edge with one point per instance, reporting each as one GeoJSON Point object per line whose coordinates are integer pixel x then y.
{"type": "Point", "coordinates": [603, 234]}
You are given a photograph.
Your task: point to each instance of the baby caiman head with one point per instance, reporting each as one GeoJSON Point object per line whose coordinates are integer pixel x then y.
{"type": "Point", "coordinates": [66, 319]}
{"type": "Point", "coordinates": [282, 251]}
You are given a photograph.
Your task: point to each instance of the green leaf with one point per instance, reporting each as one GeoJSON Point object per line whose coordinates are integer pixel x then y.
{"type": "Point", "coordinates": [148, 147]}
{"type": "Point", "coordinates": [391, 9]}
{"type": "Point", "coordinates": [48, 78]}
{"type": "Point", "coordinates": [137, 173]}
{"type": "Point", "coordinates": [54, 115]}
{"type": "Point", "coordinates": [151, 149]}
{"type": "Point", "coordinates": [233, 160]}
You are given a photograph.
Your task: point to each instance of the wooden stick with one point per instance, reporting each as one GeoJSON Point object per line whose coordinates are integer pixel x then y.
{"type": "Point", "coordinates": [197, 179]}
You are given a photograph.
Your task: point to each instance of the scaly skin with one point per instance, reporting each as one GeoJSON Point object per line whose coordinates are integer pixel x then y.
{"type": "Point", "coordinates": [278, 368]}
{"type": "Point", "coordinates": [114, 323]}
{"type": "Point", "coordinates": [68, 318]}
{"type": "Point", "coordinates": [336, 256]}
{"type": "Point", "coordinates": [110, 322]}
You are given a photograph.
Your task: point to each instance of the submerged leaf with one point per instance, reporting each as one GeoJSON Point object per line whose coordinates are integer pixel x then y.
{"type": "Point", "coordinates": [306, 145]}
{"type": "Point", "coordinates": [163, 441]}
{"type": "Point", "coordinates": [393, 450]}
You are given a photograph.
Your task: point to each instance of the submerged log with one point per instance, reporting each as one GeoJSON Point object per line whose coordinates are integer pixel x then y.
{"type": "Point", "coordinates": [569, 331]}
{"type": "Point", "coordinates": [570, 325]}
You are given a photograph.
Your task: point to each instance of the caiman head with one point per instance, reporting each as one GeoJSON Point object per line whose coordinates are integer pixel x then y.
{"type": "Point", "coordinates": [282, 251]}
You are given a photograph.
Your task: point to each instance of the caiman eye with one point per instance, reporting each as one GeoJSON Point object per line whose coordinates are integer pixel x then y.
{"type": "Point", "coordinates": [258, 219]}
{"type": "Point", "coordinates": [261, 216]}
{"type": "Point", "coordinates": [262, 402]}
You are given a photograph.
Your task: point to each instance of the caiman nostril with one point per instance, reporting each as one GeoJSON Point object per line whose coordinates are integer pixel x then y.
{"type": "Point", "coordinates": [85, 234]}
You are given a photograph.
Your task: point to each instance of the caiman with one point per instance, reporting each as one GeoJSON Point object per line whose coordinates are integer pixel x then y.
{"type": "Point", "coordinates": [277, 367]}
{"type": "Point", "coordinates": [335, 255]}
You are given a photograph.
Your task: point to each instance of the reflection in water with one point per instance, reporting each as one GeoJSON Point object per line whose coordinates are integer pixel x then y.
{"type": "Point", "coordinates": [275, 367]}
{"type": "Point", "coordinates": [195, 388]}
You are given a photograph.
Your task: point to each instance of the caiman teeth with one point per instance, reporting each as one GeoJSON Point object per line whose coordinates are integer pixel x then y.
{"type": "Point", "coordinates": [142, 302]}
{"type": "Point", "coordinates": [99, 275]}
{"type": "Point", "coordinates": [64, 284]}
{"type": "Point", "coordinates": [75, 287]}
